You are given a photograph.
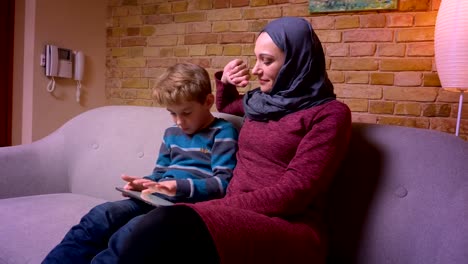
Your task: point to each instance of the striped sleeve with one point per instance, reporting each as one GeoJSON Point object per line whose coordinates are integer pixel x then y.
{"type": "Point", "coordinates": [162, 162]}
{"type": "Point", "coordinates": [223, 161]}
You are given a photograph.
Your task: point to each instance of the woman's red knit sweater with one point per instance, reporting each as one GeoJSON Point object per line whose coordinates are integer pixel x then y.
{"type": "Point", "coordinates": [274, 203]}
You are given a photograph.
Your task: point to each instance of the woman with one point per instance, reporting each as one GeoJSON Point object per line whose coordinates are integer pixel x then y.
{"type": "Point", "coordinates": [294, 136]}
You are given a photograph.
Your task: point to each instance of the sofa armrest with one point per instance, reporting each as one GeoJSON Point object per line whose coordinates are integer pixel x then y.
{"type": "Point", "coordinates": [35, 168]}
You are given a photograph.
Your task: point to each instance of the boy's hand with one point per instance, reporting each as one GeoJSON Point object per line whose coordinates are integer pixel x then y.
{"type": "Point", "coordinates": [134, 183]}
{"type": "Point", "coordinates": [168, 188]}
{"type": "Point", "coordinates": [236, 73]}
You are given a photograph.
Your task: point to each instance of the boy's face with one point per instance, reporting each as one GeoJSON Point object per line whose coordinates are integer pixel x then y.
{"type": "Point", "coordinates": [192, 116]}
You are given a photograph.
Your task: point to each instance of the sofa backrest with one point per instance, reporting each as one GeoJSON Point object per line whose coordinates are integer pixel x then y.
{"type": "Point", "coordinates": [401, 197]}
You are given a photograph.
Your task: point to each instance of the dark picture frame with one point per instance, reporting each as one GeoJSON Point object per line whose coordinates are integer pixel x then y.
{"type": "Point", "coordinates": [323, 6]}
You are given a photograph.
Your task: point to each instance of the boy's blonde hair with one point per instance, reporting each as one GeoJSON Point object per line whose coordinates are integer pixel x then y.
{"type": "Point", "coordinates": [182, 82]}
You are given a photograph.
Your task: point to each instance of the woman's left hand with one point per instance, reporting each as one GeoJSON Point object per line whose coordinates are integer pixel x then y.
{"type": "Point", "coordinates": [236, 73]}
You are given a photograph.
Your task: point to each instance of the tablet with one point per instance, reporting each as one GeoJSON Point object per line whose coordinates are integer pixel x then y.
{"type": "Point", "coordinates": [150, 199]}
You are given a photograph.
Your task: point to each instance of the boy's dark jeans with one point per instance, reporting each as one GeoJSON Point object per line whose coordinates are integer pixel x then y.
{"type": "Point", "coordinates": [100, 234]}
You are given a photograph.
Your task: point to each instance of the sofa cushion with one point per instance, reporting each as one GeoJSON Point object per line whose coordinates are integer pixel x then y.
{"type": "Point", "coordinates": [35, 224]}
{"type": "Point", "coordinates": [400, 197]}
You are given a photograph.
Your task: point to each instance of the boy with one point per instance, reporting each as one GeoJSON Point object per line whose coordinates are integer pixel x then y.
{"type": "Point", "coordinates": [181, 173]}
{"type": "Point", "coordinates": [195, 163]}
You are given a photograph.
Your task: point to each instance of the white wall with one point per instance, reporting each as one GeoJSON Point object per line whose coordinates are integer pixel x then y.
{"type": "Point", "coordinates": [76, 25]}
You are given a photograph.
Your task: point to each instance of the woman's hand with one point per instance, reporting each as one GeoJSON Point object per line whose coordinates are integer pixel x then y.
{"type": "Point", "coordinates": [168, 188]}
{"type": "Point", "coordinates": [236, 73]}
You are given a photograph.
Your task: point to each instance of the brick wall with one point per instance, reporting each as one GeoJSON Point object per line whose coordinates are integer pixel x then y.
{"type": "Point", "coordinates": [381, 63]}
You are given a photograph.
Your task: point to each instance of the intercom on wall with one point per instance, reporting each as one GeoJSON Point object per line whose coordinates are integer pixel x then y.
{"type": "Point", "coordinates": [59, 62]}
{"type": "Point", "coordinates": [63, 63]}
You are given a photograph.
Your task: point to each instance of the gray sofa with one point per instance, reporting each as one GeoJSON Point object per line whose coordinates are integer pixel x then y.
{"type": "Point", "coordinates": [401, 195]}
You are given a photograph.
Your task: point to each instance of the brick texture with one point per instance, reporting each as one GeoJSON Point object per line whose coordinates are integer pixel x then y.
{"type": "Point", "coordinates": [381, 62]}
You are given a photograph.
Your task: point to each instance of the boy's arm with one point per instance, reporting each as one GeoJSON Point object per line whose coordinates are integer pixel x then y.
{"type": "Point", "coordinates": [162, 163]}
{"type": "Point", "coordinates": [141, 183]}
{"type": "Point", "coordinates": [223, 161]}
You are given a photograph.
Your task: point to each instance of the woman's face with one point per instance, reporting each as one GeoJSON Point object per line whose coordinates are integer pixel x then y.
{"type": "Point", "coordinates": [270, 58]}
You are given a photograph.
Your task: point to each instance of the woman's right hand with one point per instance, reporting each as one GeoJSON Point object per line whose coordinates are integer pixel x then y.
{"type": "Point", "coordinates": [236, 73]}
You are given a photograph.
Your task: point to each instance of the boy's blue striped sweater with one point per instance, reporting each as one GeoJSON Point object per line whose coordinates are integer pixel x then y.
{"type": "Point", "coordinates": [201, 163]}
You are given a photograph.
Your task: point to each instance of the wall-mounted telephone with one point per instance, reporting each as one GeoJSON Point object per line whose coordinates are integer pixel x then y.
{"type": "Point", "coordinates": [79, 66]}
{"type": "Point", "coordinates": [60, 62]}
{"type": "Point", "coordinates": [79, 69]}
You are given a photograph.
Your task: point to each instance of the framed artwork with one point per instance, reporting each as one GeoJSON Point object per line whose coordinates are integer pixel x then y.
{"type": "Point", "coordinates": [322, 6]}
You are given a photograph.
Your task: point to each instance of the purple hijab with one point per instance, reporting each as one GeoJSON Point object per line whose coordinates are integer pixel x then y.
{"type": "Point", "coordinates": [302, 81]}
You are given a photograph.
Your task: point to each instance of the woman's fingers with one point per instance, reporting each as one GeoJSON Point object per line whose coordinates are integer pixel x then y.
{"type": "Point", "coordinates": [240, 76]}
{"type": "Point", "coordinates": [240, 70]}
{"type": "Point", "coordinates": [236, 72]}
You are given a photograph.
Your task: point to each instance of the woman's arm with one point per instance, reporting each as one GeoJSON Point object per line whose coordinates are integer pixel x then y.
{"type": "Point", "coordinates": [228, 99]}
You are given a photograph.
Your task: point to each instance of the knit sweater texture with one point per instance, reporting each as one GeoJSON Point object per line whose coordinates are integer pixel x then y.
{"type": "Point", "coordinates": [272, 212]}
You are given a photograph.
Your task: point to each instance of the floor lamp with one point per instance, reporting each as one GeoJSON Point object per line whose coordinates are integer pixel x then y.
{"type": "Point", "coordinates": [451, 49]}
